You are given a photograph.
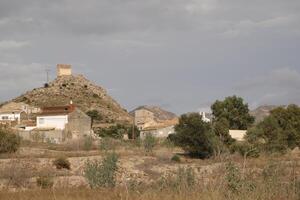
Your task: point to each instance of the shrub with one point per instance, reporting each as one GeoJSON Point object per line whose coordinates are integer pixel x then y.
{"type": "Point", "coordinates": [115, 131]}
{"type": "Point", "coordinates": [245, 149]}
{"type": "Point", "coordinates": [176, 158]}
{"type": "Point", "coordinates": [149, 143]}
{"type": "Point", "coordinates": [62, 163]}
{"type": "Point", "coordinates": [9, 142]}
{"type": "Point", "coordinates": [195, 136]}
{"type": "Point", "coordinates": [183, 178]}
{"type": "Point", "coordinates": [102, 174]}
{"type": "Point", "coordinates": [44, 182]}
{"type": "Point", "coordinates": [106, 144]}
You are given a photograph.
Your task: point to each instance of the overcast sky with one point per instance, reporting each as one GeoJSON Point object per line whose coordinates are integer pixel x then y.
{"type": "Point", "coordinates": [178, 54]}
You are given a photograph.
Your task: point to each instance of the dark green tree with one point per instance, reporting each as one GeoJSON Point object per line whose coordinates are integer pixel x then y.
{"type": "Point", "coordinates": [94, 115]}
{"type": "Point", "coordinates": [194, 135]}
{"type": "Point", "coordinates": [221, 129]}
{"type": "Point", "coordinates": [279, 131]}
{"type": "Point", "coordinates": [235, 111]}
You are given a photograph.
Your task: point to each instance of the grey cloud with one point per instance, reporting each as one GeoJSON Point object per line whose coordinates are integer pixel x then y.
{"type": "Point", "coordinates": [182, 54]}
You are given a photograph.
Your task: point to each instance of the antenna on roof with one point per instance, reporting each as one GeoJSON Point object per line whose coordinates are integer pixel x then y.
{"type": "Point", "coordinates": [47, 74]}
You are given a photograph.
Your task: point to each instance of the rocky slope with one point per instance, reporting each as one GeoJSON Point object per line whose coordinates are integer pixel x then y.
{"type": "Point", "coordinates": [261, 112]}
{"type": "Point", "coordinates": [159, 113]}
{"type": "Point", "coordinates": [83, 93]}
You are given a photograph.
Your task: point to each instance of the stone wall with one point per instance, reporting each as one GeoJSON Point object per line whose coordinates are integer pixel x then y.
{"type": "Point", "coordinates": [79, 124]}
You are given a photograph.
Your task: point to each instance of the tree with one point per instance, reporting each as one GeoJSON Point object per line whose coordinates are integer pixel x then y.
{"type": "Point", "coordinates": [279, 131]}
{"type": "Point", "coordinates": [194, 135]}
{"type": "Point", "coordinates": [221, 129]}
{"type": "Point", "coordinates": [94, 115]}
{"type": "Point", "coordinates": [235, 111]}
{"type": "Point", "coordinates": [130, 132]}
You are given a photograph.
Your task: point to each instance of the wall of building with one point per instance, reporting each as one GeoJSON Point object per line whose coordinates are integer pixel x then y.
{"type": "Point", "coordinates": [239, 135]}
{"type": "Point", "coordinates": [10, 117]}
{"type": "Point", "coordinates": [64, 70]}
{"type": "Point", "coordinates": [52, 136]}
{"type": "Point", "coordinates": [143, 117]}
{"type": "Point", "coordinates": [79, 124]}
{"type": "Point", "coordinates": [159, 133]}
{"type": "Point", "coordinates": [58, 122]}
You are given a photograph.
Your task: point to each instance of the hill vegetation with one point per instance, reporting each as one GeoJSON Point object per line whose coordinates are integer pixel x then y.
{"type": "Point", "coordinates": [84, 94]}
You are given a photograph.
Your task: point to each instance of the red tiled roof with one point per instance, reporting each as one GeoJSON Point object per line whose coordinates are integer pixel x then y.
{"type": "Point", "coordinates": [57, 110]}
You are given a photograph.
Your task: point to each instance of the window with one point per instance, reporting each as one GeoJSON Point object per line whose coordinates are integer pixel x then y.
{"type": "Point", "coordinates": [4, 117]}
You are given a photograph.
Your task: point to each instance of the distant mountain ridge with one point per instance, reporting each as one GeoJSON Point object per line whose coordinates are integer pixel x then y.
{"type": "Point", "coordinates": [83, 93]}
{"type": "Point", "coordinates": [159, 113]}
{"type": "Point", "coordinates": [262, 111]}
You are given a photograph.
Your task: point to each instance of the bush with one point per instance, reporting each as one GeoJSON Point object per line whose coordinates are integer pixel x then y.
{"type": "Point", "coordinates": [9, 142]}
{"type": "Point", "coordinates": [102, 174]}
{"type": "Point", "coordinates": [149, 143]}
{"type": "Point", "coordinates": [106, 144]}
{"type": "Point", "coordinates": [183, 178]}
{"type": "Point", "coordinates": [44, 182]}
{"type": "Point", "coordinates": [195, 136]}
{"type": "Point", "coordinates": [62, 163]}
{"type": "Point", "coordinates": [245, 149]}
{"type": "Point", "coordinates": [176, 158]}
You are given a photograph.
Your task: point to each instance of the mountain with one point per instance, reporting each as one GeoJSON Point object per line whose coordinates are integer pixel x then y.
{"type": "Point", "coordinates": [159, 113]}
{"type": "Point", "coordinates": [83, 93]}
{"type": "Point", "coordinates": [262, 111]}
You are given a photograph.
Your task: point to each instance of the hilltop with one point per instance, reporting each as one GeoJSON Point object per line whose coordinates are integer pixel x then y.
{"type": "Point", "coordinates": [84, 94]}
{"type": "Point", "coordinates": [262, 111]}
{"type": "Point", "coordinates": [159, 113]}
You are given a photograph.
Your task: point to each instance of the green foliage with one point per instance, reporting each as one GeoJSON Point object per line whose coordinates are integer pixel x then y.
{"type": "Point", "coordinates": [94, 115]}
{"type": "Point", "coordinates": [221, 129]}
{"type": "Point", "coordinates": [279, 131]}
{"type": "Point", "coordinates": [102, 174]}
{"type": "Point", "coordinates": [44, 182]}
{"type": "Point", "coordinates": [235, 111]}
{"type": "Point", "coordinates": [106, 144]}
{"type": "Point", "coordinates": [245, 149]}
{"type": "Point", "coordinates": [62, 163]}
{"type": "Point", "coordinates": [183, 178]}
{"type": "Point", "coordinates": [176, 158]}
{"type": "Point", "coordinates": [130, 132]}
{"type": "Point", "coordinates": [233, 178]}
{"type": "Point", "coordinates": [116, 131]}
{"type": "Point", "coordinates": [149, 143]}
{"type": "Point", "coordinates": [194, 135]}
{"type": "Point", "coordinates": [9, 142]}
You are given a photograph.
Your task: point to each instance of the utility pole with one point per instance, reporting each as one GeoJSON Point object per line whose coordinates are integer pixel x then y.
{"type": "Point", "coordinates": [47, 74]}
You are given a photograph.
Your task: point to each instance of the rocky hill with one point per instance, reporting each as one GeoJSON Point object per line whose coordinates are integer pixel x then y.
{"type": "Point", "coordinates": [261, 112]}
{"type": "Point", "coordinates": [84, 94]}
{"type": "Point", "coordinates": [159, 113]}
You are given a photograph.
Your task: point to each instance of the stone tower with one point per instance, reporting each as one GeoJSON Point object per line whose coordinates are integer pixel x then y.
{"type": "Point", "coordinates": [64, 70]}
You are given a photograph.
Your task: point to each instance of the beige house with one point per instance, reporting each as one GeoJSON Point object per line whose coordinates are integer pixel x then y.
{"type": "Point", "coordinates": [238, 135]}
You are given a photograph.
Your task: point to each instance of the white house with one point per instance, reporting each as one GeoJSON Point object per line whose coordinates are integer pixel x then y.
{"type": "Point", "coordinates": [162, 131]}
{"type": "Point", "coordinates": [12, 116]}
{"type": "Point", "coordinates": [54, 117]}
{"type": "Point", "coordinates": [205, 116]}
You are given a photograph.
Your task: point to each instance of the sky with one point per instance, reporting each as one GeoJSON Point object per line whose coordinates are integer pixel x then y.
{"type": "Point", "coordinates": [181, 55]}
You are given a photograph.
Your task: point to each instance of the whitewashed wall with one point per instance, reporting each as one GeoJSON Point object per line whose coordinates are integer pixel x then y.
{"type": "Point", "coordinates": [10, 117]}
{"type": "Point", "coordinates": [58, 122]}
